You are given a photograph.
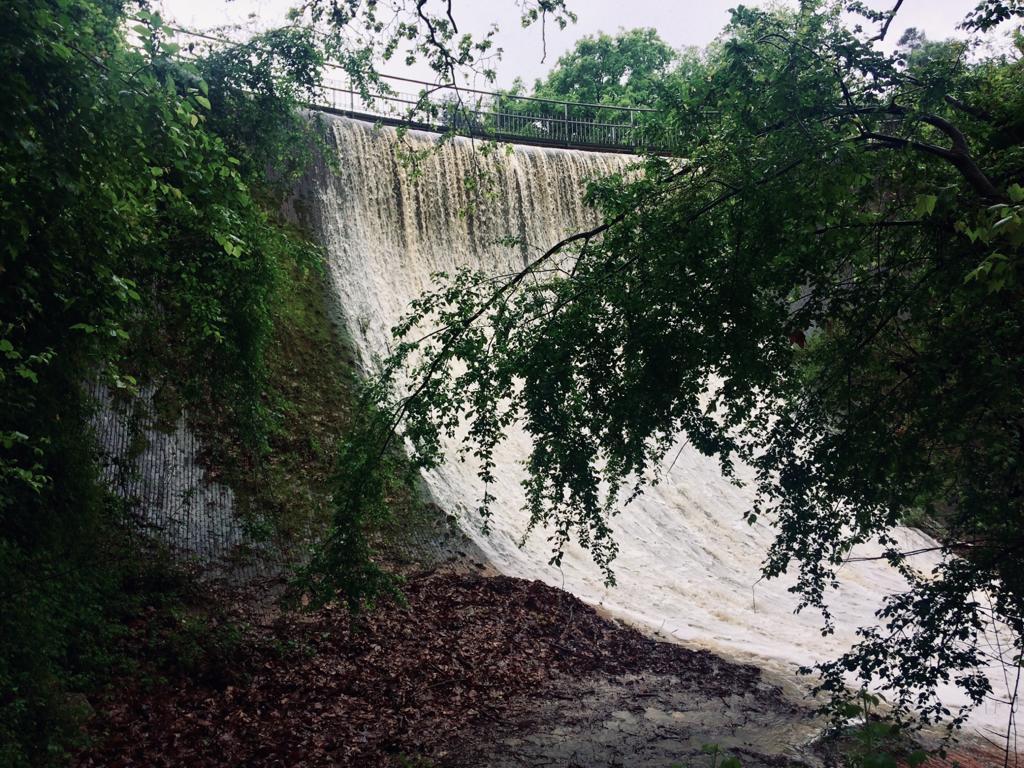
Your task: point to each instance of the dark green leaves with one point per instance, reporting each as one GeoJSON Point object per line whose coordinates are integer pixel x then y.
{"type": "Point", "coordinates": [133, 250]}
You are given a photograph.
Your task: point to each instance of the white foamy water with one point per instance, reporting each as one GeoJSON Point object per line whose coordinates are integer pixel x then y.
{"type": "Point", "coordinates": [688, 566]}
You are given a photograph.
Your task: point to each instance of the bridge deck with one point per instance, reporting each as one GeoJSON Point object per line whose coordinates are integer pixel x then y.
{"type": "Point", "coordinates": [496, 116]}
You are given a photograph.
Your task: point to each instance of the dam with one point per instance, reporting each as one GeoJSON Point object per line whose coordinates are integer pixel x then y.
{"type": "Point", "coordinates": [688, 567]}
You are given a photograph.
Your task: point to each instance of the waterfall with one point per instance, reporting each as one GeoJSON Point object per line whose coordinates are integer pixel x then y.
{"type": "Point", "coordinates": [689, 565]}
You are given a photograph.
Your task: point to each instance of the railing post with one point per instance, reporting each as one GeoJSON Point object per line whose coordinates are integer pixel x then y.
{"type": "Point", "coordinates": [565, 112]}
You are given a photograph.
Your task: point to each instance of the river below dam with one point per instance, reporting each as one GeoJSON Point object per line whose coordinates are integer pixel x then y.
{"type": "Point", "coordinates": [688, 567]}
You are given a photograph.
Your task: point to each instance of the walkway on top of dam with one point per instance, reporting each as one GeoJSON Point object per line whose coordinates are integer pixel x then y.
{"type": "Point", "coordinates": [494, 116]}
{"type": "Point", "coordinates": [488, 115]}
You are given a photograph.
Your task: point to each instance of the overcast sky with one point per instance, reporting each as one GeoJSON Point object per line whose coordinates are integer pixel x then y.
{"type": "Point", "coordinates": [680, 23]}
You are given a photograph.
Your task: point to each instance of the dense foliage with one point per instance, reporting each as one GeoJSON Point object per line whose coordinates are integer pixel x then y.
{"type": "Point", "coordinates": [826, 290]}
{"type": "Point", "coordinates": [257, 86]}
{"type": "Point", "coordinates": [624, 70]}
{"type": "Point", "coordinates": [132, 246]}
{"type": "Point", "coordinates": [606, 88]}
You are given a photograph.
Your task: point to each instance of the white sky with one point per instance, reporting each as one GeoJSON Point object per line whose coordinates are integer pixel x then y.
{"type": "Point", "coordinates": [680, 23]}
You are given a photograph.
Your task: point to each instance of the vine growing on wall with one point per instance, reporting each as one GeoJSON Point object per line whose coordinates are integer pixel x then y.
{"type": "Point", "coordinates": [134, 243]}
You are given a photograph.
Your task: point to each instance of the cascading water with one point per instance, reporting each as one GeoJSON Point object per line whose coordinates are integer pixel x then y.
{"type": "Point", "coordinates": [688, 565]}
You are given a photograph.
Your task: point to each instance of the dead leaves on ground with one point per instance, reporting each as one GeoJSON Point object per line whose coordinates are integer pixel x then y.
{"type": "Point", "coordinates": [407, 680]}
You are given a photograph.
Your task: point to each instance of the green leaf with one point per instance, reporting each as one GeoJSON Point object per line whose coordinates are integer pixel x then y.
{"type": "Point", "coordinates": [849, 709]}
{"type": "Point", "coordinates": [202, 101]}
{"type": "Point", "coordinates": [925, 205]}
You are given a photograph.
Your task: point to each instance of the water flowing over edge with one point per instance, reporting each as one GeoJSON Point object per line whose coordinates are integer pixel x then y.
{"type": "Point", "coordinates": [689, 565]}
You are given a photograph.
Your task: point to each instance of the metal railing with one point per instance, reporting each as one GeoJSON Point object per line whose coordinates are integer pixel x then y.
{"type": "Point", "coordinates": [494, 115]}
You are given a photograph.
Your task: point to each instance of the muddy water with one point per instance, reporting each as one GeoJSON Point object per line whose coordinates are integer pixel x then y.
{"type": "Point", "coordinates": [688, 566]}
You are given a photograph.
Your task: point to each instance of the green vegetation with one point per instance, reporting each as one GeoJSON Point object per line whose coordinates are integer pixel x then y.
{"type": "Point", "coordinates": [827, 289]}
{"type": "Point", "coordinates": [283, 489]}
{"type": "Point", "coordinates": [874, 741]}
{"type": "Point", "coordinates": [625, 70]}
{"type": "Point", "coordinates": [133, 246]}
{"type": "Point", "coordinates": [143, 246]}
{"type": "Point", "coordinates": [586, 94]}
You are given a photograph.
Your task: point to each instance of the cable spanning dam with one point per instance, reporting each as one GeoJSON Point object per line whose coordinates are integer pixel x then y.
{"type": "Point", "coordinates": [689, 565]}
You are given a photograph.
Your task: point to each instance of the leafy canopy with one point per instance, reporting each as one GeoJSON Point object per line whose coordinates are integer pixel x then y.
{"type": "Point", "coordinates": [620, 70]}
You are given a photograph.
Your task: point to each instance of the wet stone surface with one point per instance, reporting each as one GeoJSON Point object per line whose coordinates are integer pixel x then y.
{"type": "Point", "coordinates": [649, 720]}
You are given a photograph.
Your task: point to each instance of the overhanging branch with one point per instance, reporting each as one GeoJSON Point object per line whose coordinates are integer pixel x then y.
{"type": "Point", "coordinates": [959, 155]}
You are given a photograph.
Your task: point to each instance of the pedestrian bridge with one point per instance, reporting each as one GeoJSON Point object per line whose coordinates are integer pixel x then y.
{"type": "Point", "coordinates": [491, 115]}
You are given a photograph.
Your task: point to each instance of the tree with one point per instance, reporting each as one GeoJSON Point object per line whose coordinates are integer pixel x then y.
{"type": "Point", "coordinates": [133, 242]}
{"type": "Point", "coordinates": [827, 288]}
{"type": "Point", "coordinates": [600, 75]}
{"type": "Point", "coordinates": [360, 35]}
{"type": "Point", "coordinates": [618, 71]}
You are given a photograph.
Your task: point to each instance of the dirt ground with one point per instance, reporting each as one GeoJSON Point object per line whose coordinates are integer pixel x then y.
{"type": "Point", "coordinates": [470, 671]}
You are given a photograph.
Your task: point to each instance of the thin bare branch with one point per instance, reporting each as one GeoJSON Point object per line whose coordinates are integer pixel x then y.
{"type": "Point", "coordinates": [888, 21]}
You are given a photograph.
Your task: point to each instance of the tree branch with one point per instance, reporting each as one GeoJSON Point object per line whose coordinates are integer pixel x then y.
{"type": "Point", "coordinates": [959, 155]}
{"type": "Point", "coordinates": [888, 20]}
{"type": "Point", "coordinates": [968, 109]}
{"type": "Point", "coordinates": [869, 225]}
